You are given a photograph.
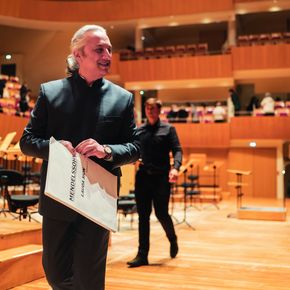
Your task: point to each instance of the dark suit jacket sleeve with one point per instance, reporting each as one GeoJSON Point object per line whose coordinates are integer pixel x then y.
{"type": "Point", "coordinates": [34, 141]}
{"type": "Point", "coordinates": [127, 151]}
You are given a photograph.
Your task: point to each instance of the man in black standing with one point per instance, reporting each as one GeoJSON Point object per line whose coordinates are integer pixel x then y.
{"type": "Point", "coordinates": [235, 100]}
{"type": "Point", "coordinates": [152, 184]}
{"type": "Point", "coordinates": [93, 117]}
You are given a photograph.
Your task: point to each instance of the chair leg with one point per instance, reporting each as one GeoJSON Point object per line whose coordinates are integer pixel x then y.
{"type": "Point", "coordinates": [132, 219]}
{"type": "Point", "coordinates": [119, 221]}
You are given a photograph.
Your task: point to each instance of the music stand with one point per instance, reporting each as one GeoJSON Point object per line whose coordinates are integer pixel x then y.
{"type": "Point", "coordinates": [213, 168]}
{"type": "Point", "coordinates": [184, 220]}
{"type": "Point", "coordinates": [238, 185]}
{"type": "Point", "coordinates": [172, 192]}
{"type": "Point", "coordinates": [5, 145]}
{"type": "Point", "coordinates": [2, 192]}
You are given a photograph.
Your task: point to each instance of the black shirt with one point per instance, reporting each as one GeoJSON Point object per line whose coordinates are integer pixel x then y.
{"type": "Point", "coordinates": [157, 141]}
{"type": "Point", "coordinates": [86, 108]}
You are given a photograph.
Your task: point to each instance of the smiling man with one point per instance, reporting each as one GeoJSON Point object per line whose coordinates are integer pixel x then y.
{"type": "Point", "coordinates": [89, 115]}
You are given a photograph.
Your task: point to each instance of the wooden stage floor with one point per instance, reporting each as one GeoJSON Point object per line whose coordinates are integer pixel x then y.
{"type": "Point", "coordinates": [222, 253]}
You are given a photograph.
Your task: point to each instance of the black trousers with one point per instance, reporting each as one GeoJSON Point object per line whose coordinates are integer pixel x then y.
{"type": "Point", "coordinates": [74, 254]}
{"type": "Point", "coordinates": [152, 189]}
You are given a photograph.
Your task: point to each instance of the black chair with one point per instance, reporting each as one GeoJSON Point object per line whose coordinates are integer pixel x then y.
{"type": "Point", "coordinates": [17, 203]}
{"type": "Point", "coordinates": [126, 205]}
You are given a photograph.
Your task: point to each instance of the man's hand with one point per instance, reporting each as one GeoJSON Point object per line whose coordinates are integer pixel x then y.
{"type": "Point", "coordinates": [91, 147]}
{"type": "Point", "coordinates": [68, 146]}
{"type": "Point", "coordinates": [173, 175]}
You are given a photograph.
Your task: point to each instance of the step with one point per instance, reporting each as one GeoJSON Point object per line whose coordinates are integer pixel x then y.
{"type": "Point", "coordinates": [15, 233]}
{"type": "Point", "coordinates": [20, 265]}
{"type": "Point", "coordinates": [262, 213]}
{"type": "Point", "coordinates": [40, 284]}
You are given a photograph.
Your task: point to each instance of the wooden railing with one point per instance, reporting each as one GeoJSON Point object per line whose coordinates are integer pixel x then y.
{"type": "Point", "coordinates": [261, 57]}
{"type": "Point", "coordinates": [260, 128]}
{"type": "Point", "coordinates": [176, 68]}
{"type": "Point", "coordinates": [204, 135]}
{"type": "Point", "coordinates": [10, 123]}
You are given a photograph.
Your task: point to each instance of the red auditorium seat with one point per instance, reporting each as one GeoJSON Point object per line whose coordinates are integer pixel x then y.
{"type": "Point", "coordinates": [254, 39]}
{"type": "Point", "coordinates": [139, 54]}
{"type": "Point", "coordinates": [159, 51]}
{"type": "Point", "coordinates": [202, 49]}
{"type": "Point", "coordinates": [264, 38]}
{"type": "Point", "coordinates": [180, 50]}
{"type": "Point", "coordinates": [169, 50]}
{"type": "Point", "coordinates": [126, 54]}
{"type": "Point", "coordinates": [282, 112]}
{"type": "Point", "coordinates": [243, 40]}
{"type": "Point", "coordinates": [276, 38]}
{"type": "Point", "coordinates": [191, 49]}
{"type": "Point", "coordinates": [149, 52]}
{"type": "Point", "coordinates": [286, 37]}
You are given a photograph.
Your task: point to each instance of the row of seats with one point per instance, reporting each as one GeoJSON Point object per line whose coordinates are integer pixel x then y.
{"type": "Point", "coordinates": [10, 106]}
{"type": "Point", "coordinates": [280, 112]}
{"type": "Point", "coordinates": [262, 39]}
{"type": "Point", "coordinates": [201, 48]}
{"type": "Point", "coordinates": [196, 114]}
{"type": "Point", "coordinates": [165, 51]}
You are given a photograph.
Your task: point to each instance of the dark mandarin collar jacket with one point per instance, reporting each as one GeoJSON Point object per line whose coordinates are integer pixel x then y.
{"type": "Point", "coordinates": [69, 109]}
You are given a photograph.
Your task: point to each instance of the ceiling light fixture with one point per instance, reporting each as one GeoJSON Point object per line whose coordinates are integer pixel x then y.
{"type": "Point", "coordinates": [275, 9]}
{"type": "Point", "coordinates": [173, 24]}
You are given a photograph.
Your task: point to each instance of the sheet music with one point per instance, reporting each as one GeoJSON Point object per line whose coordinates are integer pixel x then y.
{"type": "Point", "coordinates": [82, 185]}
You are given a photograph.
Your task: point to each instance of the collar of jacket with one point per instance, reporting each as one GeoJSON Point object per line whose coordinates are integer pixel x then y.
{"type": "Point", "coordinates": [83, 83]}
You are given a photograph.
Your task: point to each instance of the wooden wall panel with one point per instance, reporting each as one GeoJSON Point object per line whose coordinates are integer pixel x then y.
{"type": "Point", "coordinates": [127, 179]}
{"type": "Point", "coordinates": [203, 135]}
{"type": "Point", "coordinates": [260, 127]}
{"type": "Point", "coordinates": [241, 159]}
{"type": "Point", "coordinates": [176, 68]}
{"type": "Point", "coordinates": [264, 173]}
{"type": "Point", "coordinates": [107, 10]}
{"type": "Point", "coordinates": [115, 64]}
{"type": "Point", "coordinates": [12, 123]}
{"type": "Point", "coordinates": [261, 57]}
{"type": "Point", "coordinates": [262, 163]}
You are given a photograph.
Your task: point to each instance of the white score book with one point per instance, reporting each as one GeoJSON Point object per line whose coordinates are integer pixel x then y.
{"type": "Point", "coordinates": [82, 185]}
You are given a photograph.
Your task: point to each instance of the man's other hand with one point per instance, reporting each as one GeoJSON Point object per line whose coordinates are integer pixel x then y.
{"type": "Point", "coordinates": [91, 147]}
